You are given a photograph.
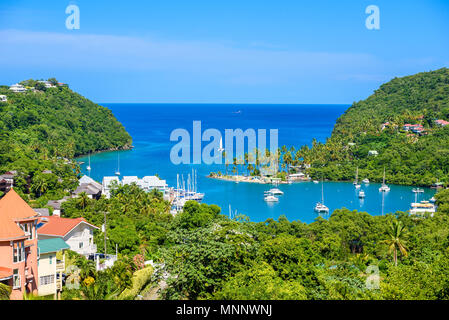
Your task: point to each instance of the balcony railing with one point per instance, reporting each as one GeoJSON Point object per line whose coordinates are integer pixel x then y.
{"type": "Point", "coordinates": [88, 250]}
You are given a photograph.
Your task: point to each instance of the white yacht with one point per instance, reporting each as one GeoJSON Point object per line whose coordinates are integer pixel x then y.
{"type": "Point", "coordinates": [315, 181]}
{"type": "Point", "coordinates": [320, 207]}
{"type": "Point", "coordinates": [384, 187]}
{"type": "Point", "coordinates": [432, 200]}
{"type": "Point", "coordinates": [422, 207]}
{"type": "Point", "coordinates": [88, 166]}
{"type": "Point", "coordinates": [361, 194]}
{"type": "Point", "coordinates": [276, 191]}
{"type": "Point", "coordinates": [417, 190]}
{"type": "Point", "coordinates": [271, 198]}
{"type": "Point", "coordinates": [365, 181]}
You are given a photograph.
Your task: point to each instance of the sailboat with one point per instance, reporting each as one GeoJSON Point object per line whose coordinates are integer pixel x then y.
{"type": "Point", "coordinates": [361, 194]}
{"type": "Point", "coordinates": [356, 182]}
{"type": "Point", "coordinates": [384, 187]}
{"type": "Point", "coordinates": [221, 149]}
{"type": "Point", "coordinates": [320, 207]}
{"type": "Point", "coordinates": [118, 165]}
{"type": "Point", "coordinates": [88, 166]}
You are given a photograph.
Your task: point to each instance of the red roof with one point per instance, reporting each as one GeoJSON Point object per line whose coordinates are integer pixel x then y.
{"type": "Point", "coordinates": [12, 209]}
{"type": "Point", "coordinates": [442, 122]}
{"type": "Point", "coordinates": [57, 226]}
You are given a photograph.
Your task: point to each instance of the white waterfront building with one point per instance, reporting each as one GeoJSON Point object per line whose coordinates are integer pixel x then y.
{"type": "Point", "coordinates": [107, 184]}
{"type": "Point", "coordinates": [147, 183]}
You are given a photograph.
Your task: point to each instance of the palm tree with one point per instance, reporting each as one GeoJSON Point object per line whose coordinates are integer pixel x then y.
{"type": "Point", "coordinates": [83, 200]}
{"type": "Point", "coordinates": [396, 241]}
{"type": "Point", "coordinates": [234, 162]}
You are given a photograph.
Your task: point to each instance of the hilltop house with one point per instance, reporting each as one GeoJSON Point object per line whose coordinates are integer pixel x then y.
{"type": "Point", "coordinates": [441, 123]}
{"type": "Point", "coordinates": [384, 125]}
{"type": "Point", "coordinates": [3, 98]}
{"type": "Point", "coordinates": [7, 181]}
{"type": "Point", "coordinates": [17, 88]}
{"type": "Point", "coordinates": [373, 153]}
{"type": "Point", "coordinates": [18, 245]}
{"type": "Point", "coordinates": [77, 233]}
{"type": "Point", "coordinates": [50, 269]}
{"type": "Point", "coordinates": [47, 84]}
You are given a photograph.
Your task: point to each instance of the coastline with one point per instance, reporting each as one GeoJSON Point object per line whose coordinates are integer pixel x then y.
{"type": "Point", "coordinates": [123, 148]}
{"type": "Point", "coordinates": [254, 179]}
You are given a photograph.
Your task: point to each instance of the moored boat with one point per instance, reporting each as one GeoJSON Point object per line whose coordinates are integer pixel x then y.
{"type": "Point", "coordinates": [419, 208]}
{"type": "Point", "coordinates": [271, 198]}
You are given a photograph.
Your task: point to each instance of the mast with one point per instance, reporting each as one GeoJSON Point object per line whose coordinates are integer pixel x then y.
{"type": "Point", "coordinates": [357, 175]}
{"type": "Point", "coordinates": [322, 191]}
{"type": "Point", "coordinates": [383, 181]}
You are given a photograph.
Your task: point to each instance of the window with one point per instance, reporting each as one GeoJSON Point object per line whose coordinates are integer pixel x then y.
{"type": "Point", "coordinates": [50, 259]}
{"type": "Point", "coordinates": [28, 229]}
{"type": "Point", "coordinates": [44, 280]}
{"type": "Point", "coordinates": [16, 284]}
{"type": "Point", "coordinates": [18, 252]}
{"type": "Point", "coordinates": [81, 245]}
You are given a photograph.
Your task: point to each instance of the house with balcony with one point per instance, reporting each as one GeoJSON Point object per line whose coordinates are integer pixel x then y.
{"type": "Point", "coordinates": [50, 268]}
{"type": "Point", "coordinates": [18, 245]}
{"type": "Point", "coordinates": [17, 88]}
{"type": "Point", "coordinates": [3, 98]}
{"type": "Point", "coordinates": [77, 233]}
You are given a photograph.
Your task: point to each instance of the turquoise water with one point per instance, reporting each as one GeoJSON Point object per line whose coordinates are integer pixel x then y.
{"type": "Point", "coordinates": [150, 126]}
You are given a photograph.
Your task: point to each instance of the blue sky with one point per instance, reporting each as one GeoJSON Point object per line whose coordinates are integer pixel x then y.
{"type": "Point", "coordinates": [222, 51]}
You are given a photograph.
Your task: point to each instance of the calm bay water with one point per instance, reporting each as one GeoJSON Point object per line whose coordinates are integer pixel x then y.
{"type": "Point", "coordinates": [150, 126]}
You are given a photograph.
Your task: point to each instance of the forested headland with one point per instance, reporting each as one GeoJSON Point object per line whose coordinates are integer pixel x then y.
{"type": "Point", "coordinates": [412, 157]}
{"type": "Point", "coordinates": [44, 128]}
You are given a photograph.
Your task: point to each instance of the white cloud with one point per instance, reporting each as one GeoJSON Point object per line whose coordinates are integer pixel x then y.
{"type": "Point", "coordinates": [250, 65]}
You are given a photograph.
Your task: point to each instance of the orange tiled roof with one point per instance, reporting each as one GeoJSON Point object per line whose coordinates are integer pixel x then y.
{"type": "Point", "coordinates": [57, 226]}
{"type": "Point", "coordinates": [12, 209]}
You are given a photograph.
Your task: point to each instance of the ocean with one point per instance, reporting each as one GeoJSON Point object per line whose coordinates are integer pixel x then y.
{"type": "Point", "coordinates": [150, 125]}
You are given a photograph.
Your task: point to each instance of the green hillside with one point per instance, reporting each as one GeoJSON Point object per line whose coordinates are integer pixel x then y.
{"type": "Point", "coordinates": [43, 128]}
{"type": "Point", "coordinates": [419, 158]}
